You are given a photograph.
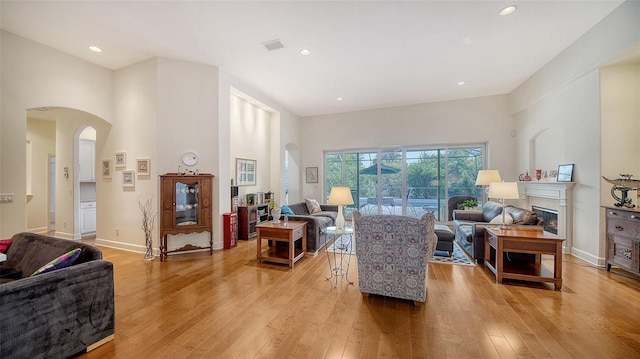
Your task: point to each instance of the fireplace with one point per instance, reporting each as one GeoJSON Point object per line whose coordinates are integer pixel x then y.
{"type": "Point", "coordinates": [550, 218]}
{"type": "Point", "coordinates": [555, 198]}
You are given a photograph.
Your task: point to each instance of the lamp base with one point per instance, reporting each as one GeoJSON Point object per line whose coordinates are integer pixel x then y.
{"type": "Point", "coordinates": [340, 219]}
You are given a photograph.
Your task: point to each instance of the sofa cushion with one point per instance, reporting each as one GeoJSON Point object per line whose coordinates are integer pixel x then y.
{"type": "Point", "coordinates": [299, 209]}
{"type": "Point", "coordinates": [522, 216]}
{"type": "Point", "coordinates": [498, 219]}
{"type": "Point", "coordinates": [312, 205]}
{"type": "Point", "coordinates": [4, 244]}
{"type": "Point", "coordinates": [62, 261]}
{"type": "Point", "coordinates": [286, 210]}
{"type": "Point", "coordinates": [328, 214]}
{"type": "Point", "coordinates": [490, 210]}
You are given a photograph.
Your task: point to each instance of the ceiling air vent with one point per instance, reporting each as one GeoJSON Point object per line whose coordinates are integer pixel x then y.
{"type": "Point", "coordinates": [273, 45]}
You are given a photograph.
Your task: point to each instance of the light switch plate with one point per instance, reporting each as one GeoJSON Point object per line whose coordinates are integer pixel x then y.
{"type": "Point", "coordinates": [6, 197]}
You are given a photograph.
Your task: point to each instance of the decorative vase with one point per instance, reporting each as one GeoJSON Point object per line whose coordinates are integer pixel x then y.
{"type": "Point", "coordinates": [538, 175]}
{"type": "Point", "coordinates": [527, 178]}
{"type": "Point", "coordinates": [148, 241]}
{"type": "Point", "coordinates": [275, 214]}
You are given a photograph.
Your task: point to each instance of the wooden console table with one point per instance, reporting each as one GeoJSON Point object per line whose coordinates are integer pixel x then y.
{"type": "Point", "coordinates": [519, 240]}
{"type": "Point", "coordinates": [288, 232]}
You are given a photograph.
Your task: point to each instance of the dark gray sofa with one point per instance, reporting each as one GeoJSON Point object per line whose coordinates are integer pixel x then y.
{"type": "Point", "coordinates": [59, 313]}
{"type": "Point", "coordinates": [469, 226]}
{"type": "Point", "coordinates": [315, 223]}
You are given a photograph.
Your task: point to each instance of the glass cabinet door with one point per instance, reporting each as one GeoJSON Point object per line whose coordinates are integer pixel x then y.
{"type": "Point", "coordinates": [186, 203]}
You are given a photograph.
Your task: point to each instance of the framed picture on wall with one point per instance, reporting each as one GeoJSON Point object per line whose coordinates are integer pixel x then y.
{"type": "Point", "coordinates": [143, 165]}
{"type": "Point", "coordinates": [565, 173]}
{"type": "Point", "coordinates": [128, 179]}
{"type": "Point", "coordinates": [121, 159]}
{"type": "Point", "coordinates": [106, 168]}
{"type": "Point", "coordinates": [245, 172]}
{"type": "Point", "coordinates": [311, 175]}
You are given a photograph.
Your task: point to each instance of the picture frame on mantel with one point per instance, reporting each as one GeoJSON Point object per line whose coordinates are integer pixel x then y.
{"type": "Point", "coordinates": [245, 172]}
{"type": "Point", "coordinates": [565, 173]}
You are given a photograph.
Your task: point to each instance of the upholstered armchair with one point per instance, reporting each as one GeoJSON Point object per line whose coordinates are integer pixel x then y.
{"type": "Point", "coordinates": [393, 254]}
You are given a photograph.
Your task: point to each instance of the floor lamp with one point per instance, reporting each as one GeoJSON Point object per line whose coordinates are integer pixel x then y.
{"type": "Point", "coordinates": [340, 196]}
{"type": "Point", "coordinates": [504, 190]}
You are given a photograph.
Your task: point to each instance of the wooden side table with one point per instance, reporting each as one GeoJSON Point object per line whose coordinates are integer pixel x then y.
{"type": "Point", "coordinates": [519, 240]}
{"type": "Point", "coordinates": [289, 232]}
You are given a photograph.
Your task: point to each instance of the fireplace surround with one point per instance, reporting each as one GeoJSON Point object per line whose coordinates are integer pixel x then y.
{"type": "Point", "coordinates": [552, 196]}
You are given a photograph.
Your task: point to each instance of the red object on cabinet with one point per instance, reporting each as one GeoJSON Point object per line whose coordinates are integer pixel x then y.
{"type": "Point", "coordinates": [230, 222]}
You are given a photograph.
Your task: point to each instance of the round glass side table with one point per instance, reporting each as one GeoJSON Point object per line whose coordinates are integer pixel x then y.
{"type": "Point", "coordinates": [339, 253]}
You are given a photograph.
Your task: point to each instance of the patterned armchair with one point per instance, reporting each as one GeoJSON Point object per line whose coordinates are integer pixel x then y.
{"type": "Point", "coordinates": [393, 254]}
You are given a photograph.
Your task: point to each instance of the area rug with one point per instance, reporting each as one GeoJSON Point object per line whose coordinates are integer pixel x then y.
{"type": "Point", "coordinates": [459, 257]}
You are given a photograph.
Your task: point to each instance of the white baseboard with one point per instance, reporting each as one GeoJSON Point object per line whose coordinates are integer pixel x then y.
{"type": "Point", "coordinates": [40, 230]}
{"type": "Point", "coordinates": [124, 246]}
{"type": "Point", "coordinates": [588, 257]}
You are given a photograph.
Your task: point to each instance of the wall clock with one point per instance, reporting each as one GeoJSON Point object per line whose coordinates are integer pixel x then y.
{"type": "Point", "coordinates": [190, 159]}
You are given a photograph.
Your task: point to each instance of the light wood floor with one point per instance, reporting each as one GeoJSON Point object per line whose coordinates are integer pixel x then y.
{"type": "Point", "coordinates": [228, 306]}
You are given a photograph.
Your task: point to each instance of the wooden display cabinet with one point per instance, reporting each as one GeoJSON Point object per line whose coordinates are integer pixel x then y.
{"type": "Point", "coordinates": [249, 217]}
{"type": "Point", "coordinates": [185, 208]}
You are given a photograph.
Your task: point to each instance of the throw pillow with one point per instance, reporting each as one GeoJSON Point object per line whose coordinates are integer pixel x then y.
{"type": "Point", "coordinates": [312, 206]}
{"type": "Point", "coordinates": [498, 219]}
{"type": "Point", "coordinates": [286, 210]}
{"type": "Point", "coordinates": [64, 260]}
{"type": "Point", "coordinates": [4, 245]}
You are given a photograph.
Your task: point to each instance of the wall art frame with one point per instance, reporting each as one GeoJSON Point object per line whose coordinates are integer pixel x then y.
{"type": "Point", "coordinates": [128, 179]}
{"type": "Point", "coordinates": [143, 166]}
{"type": "Point", "coordinates": [565, 173]}
{"type": "Point", "coordinates": [107, 168]}
{"type": "Point", "coordinates": [121, 159]}
{"type": "Point", "coordinates": [311, 174]}
{"type": "Point", "coordinates": [245, 172]}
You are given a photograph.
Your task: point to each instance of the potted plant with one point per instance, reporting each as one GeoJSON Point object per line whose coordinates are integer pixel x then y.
{"type": "Point", "coordinates": [469, 204]}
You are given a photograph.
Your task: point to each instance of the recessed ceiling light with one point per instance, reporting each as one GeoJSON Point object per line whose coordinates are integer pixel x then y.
{"type": "Point", "coordinates": [95, 48]}
{"type": "Point", "coordinates": [305, 52]}
{"type": "Point", "coordinates": [339, 99]}
{"type": "Point", "coordinates": [508, 10]}
{"type": "Point", "coordinates": [461, 83]}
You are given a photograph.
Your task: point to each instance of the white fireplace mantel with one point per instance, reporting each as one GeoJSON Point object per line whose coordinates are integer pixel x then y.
{"type": "Point", "coordinates": [558, 196]}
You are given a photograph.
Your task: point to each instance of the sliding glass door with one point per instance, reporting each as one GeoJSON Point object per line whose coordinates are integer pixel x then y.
{"type": "Point", "coordinates": [406, 181]}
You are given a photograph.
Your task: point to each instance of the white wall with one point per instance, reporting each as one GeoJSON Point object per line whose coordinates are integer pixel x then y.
{"type": "Point", "coordinates": [42, 135]}
{"type": "Point", "coordinates": [32, 76]}
{"type": "Point", "coordinates": [475, 120]}
{"type": "Point", "coordinates": [565, 95]}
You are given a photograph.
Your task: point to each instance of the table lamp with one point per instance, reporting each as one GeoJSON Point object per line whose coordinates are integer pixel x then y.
{"type": "Point", "coordinates": [504, 190]}
{"type": "Point", "coordinates": [485, 177]}
{"type": "Point", "coordinates": [340, 196]}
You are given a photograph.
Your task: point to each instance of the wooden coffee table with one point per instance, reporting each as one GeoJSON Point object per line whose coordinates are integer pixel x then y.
{"type": "Point", "coordinates": [281, 232]}
{"type": "Point", "coordinates": [521, 240]}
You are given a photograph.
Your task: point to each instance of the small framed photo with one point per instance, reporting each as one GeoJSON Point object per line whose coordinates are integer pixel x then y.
{"type": "Point", "coordinates": [143, 166]}
{"type": "Point", "coordinates": [311, 175]}
{"type": "Point", "coordinates": [121, 159]}
{"type": "Point", "coordinates": [106, 168]}
{"type": "Point", "coordinates": [565, 173]}
{"type": "Point", "coordinates": [128, 179]}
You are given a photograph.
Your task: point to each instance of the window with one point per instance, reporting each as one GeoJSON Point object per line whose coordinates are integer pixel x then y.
{"type": "Point", "coordinates": [408, 181]}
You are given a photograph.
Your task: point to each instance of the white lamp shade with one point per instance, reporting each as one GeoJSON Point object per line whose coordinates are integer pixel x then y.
{"type": "Point", "coordinates": [504, 190]}
{"type": "Point", "coordinates": [340, 195]}
{"type": "Point", "coordinates": [485, 177]}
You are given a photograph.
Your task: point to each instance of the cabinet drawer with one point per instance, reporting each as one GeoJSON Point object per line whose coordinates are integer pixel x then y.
{"type": "Point", "coordinates": [624, 227]}
{"type": "Point", "coordinates": [297, 233]}
{"type": "Point", "coordinates": [619, 214]}
{"type": "Point", "coordinates": [87, 205]}
{"type": "Point", "coordinates": [624, 252]}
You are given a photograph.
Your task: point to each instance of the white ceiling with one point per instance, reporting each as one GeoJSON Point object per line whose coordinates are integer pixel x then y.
{"type": "Point", "coordinates": [373, 54]}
